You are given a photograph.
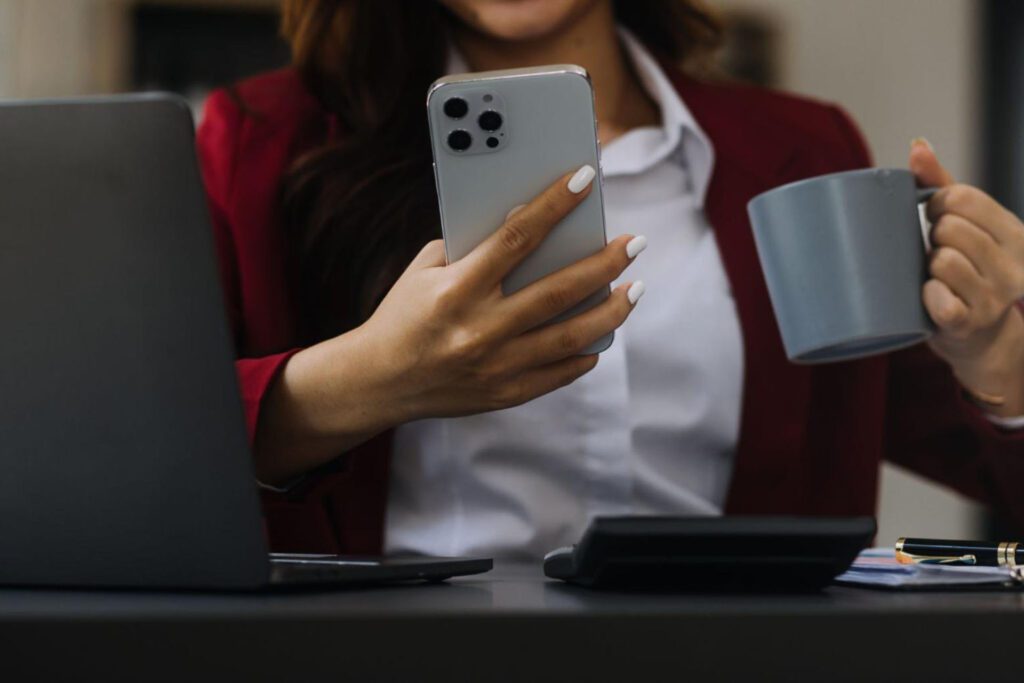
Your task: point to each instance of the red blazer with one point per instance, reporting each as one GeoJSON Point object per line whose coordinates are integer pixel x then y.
{"type": "Point", "coordinates": [811, 438]}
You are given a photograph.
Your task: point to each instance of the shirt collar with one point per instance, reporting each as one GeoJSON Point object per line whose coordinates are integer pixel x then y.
{"type": "Point", "coordinates": [456, 63]}
{"type": "Point", "coordinates": [683, 139]}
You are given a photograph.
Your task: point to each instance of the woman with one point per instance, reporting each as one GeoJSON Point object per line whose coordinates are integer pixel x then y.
{"type": "Point", "coordinates": [404, 405]}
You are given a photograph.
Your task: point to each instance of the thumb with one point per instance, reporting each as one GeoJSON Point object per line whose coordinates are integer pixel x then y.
{"type": "Point", "coordinates": [926, 167]}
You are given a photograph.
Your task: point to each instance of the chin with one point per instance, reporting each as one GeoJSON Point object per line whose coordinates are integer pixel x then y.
{"type": "Point", "coordinates": [517, 20]}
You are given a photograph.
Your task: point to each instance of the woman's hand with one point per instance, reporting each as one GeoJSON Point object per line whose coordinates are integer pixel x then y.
{"type": "Point", "coordinates": [456, 345]}
{"type": "Point", "coordinates": [977, 279]}
{"type": "Point", "coordinates": [446, 341]}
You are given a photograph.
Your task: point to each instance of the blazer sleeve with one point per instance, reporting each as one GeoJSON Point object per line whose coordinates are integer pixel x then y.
{"type": "Point", "coordinates": [217, 144]}
{"type": "Point", "coordinates": [932, 429]}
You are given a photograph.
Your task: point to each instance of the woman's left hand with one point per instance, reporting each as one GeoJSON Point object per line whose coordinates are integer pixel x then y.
{"type": "Point", "coordinates": [977, 279]}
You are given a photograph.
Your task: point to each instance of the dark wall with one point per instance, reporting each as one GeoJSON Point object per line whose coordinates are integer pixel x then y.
{"type": "Point", "coordinates": [1004, 102]}
{"type": "Point", "coordinates": [192, 49]}
{"type": "Point", "coordinates": [1003, 79]}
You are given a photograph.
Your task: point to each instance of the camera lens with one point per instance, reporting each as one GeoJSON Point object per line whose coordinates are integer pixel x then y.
{"type": "Point", "coordinates": [459, 140]}
{"type": "Point", "coordinates": [493, 142]}
{"type": "Point", "coordinates": [456, 108]}
{"type": "Point", "coordinates": [490, 120]}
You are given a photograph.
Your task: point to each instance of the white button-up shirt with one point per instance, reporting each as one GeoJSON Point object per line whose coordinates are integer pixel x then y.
{"type": "Point", "coordinates": [652, 429]}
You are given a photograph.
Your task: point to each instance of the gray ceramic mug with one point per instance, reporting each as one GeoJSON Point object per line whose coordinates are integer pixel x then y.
{"type": "Point", "coordinates": [844, 258]}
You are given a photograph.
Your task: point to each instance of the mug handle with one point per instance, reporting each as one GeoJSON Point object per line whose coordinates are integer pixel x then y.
{"type": "Point", "coordinates": [923, 195]}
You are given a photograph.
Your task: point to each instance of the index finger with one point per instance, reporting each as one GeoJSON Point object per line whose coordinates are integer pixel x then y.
{"type": "Point", "coordinates": [977, 207]}
{"type": "Point", "coordinates": [525, 229]}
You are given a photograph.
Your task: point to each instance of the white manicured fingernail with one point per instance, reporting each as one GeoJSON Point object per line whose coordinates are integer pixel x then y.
{"type": "Point", "coordinates": [635, 246]}
{"type": "Point", "coordinates": [636, 290]}
{"type": "Point", "coordinates": [514, 210]}
{"type": "Point", "coordinates": [581, 179]}
{"type": "Point", "coordinates": [923, 141]}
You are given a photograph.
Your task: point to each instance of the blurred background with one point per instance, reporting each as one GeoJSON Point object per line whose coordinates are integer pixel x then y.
{"type": "Point", "coordinates": [949, 70]}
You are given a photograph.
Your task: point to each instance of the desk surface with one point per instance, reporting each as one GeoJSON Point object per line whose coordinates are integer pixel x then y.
{"type": "Point", "coordinates": [512, 624]}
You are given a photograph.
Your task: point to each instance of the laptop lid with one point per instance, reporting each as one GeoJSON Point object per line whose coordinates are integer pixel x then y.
{"type": "Point", "coordinates": [123, 454]}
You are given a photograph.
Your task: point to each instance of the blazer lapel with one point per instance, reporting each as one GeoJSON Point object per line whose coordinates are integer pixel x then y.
{"type": "Point", "coordinates": [752, 157]}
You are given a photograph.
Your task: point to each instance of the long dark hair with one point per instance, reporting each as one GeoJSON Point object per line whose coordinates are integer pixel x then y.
{"type": "Point", "coordinates": [357, 210]}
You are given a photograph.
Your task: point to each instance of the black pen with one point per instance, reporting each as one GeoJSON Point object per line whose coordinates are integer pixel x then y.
{"type": "Point", "coordinates": [1007, 554]}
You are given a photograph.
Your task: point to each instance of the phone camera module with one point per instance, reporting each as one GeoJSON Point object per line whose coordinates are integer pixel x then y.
{"type": "Point", "coordinates": [459, 140]}
{"type": "Point", "coordinates": [490, 120]}
{"type": "Point", "coordinates": [456, 108]}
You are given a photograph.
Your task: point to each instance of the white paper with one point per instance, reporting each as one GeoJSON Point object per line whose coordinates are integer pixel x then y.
{"type": "Point", "coordinates": [879, 567]}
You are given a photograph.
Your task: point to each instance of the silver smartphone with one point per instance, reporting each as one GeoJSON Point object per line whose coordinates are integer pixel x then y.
{"type": "Point", "coordinates": [499, 138]}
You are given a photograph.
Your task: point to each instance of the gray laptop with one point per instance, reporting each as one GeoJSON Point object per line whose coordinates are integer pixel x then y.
{"type": "Point", "coordinates": [123, 454]}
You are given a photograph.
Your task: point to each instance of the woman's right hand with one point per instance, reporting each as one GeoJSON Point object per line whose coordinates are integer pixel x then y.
{"type": "Point", "coordinates": [446, 341]}
{"type": "Point", "coordinates": [457, 345]}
